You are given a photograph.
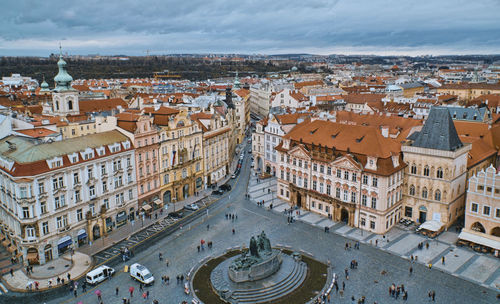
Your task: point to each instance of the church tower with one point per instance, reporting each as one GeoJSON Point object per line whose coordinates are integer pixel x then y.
{"type": "Point", "coordinates": [64, 97]}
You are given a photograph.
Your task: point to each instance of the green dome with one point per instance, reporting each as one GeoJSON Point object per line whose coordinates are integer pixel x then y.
{"type": "Point", "coordinates": [63, 79]}
{"type": "Point", "coordinates": [44, 86]}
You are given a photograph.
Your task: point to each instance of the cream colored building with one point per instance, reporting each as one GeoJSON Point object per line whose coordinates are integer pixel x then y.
{"type": "Point", "coordinates": [181, 159]}
{"type": "Point", "coordinates": [58, 196]}
{"type": "Point", "coordinates": [258, 144]}
{"type": "Point", "coordinates": [482, 211]}
{"type": "Point", "coordinates": [216, 133]}
{"type": "Point", "coordinates": [435, 181]}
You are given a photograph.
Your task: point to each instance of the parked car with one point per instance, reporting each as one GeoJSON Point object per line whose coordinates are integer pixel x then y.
{"type": "Point", "coordinates": [192, 207]}
{"type": "Point", "coordinates": [141, 274]}
{"type": "Point", "coordinates": [233, 176]}
{"type": "Point", "coordinates": [176, 214]}
{"type": "Point", "coordinates": [242, 155]}
{"type": "Point", "coordinates": [225, 187]}
{"type": "Point", "coordinates": [217, 192]}
{"type": "Point", "coordinates": [99, 274]}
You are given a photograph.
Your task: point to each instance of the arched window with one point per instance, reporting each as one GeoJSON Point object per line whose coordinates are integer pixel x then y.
{"type": "Point", "coordinates": [412, 190]}
{"type": "Point", "coordinates": [437, 195]}
{"type": "Point", "coordinates": [424, 192]}
{"type": "Point", "coordinates": [70, 104]}
{"type": "Point", "coordinates": [57, 105]}
{"type": "Point", "coordinates": [413, 169]}
{"type": "Point", "coordinates": [439, 172]}
{"type": "Point", "coordinates": [426, 170]}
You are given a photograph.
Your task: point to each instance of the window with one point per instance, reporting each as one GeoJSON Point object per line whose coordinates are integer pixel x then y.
{"type": "Point", "coordinates": [374, 202]}
{"type": "Point", "coordinates": [104, 186]}
{"type": "Point", "coordinates": [315, 167]}
{"type": "Point", "coordinates": [413, 169]}
{"type": "Point", "coordinates": [346, 195]}
{"type": "Point", "coordinates": [43, 207]}
{"type": "Point", "coordinates": [57, 183]}
{"type": "Point", "coordinates": [424, 193]}
{"type": "Point", "coordinates": [118, 181]}
{"type": "Point", "coordinates": [363, 222]}
{"type": "Point", "coordinates": [408, 211]}
{"type": "Point", "coordinates": [353, 197]}
{"type": "Point", "coordinates": [89, 173]}
{"type": "Point", "coordinates": [59, 201]}
{"type": "Point", "coordinates": [365, 179]}
{"type": "Point", "coordinates": [315, 184]}
{"type": "Point", "coordinates": [305, 183]}
{"type": "Point", "coordinates": [354, 177]}
{"type": "Point", "coordinates": [426, 171]}
{"type": "Point", "coordinates": [294, 179]}
{"type": "Point", "coordinates": [474, 207]}
{"type": "Point", "coordinates": [45, 228]}
{"type": "Point", "coordinates": [41, 187]}
{"type": "Point", "coordinates": [439, 172]}
{"type": "Point", "coordinates": [76, 178]}
{"type": "Point", "coordinates": [62, 221]}
{"type": "Point", "coordinates": [339, 173]}
{"type": "Point", "coordinates": [26, 212]}
{"type": "Point", "coordinates": [117, 165]}
{"type": "Point", "coordinates": [92, 191]}
{"type": "Point", "coordinates": [372, 224]}
{"type": "Point", "coordinates": [128, 162]}
{"type": "Point", "coordinates": [328, 189]}
{"type": "Point", "coordinates": [313, 204]}
{"type": "Point", "coordinates": [337, 192]}
{"type": "Point", "coordinates": [305, 164]}
{"type": "Point", "coordinates": [288, 176]}
{"type": "Point", "coordinates": [346, 175]}
{"type": "Point", "coordinates": [23, 192]}
{"type": "Point", "coordinates": [300, 163]}
{"type": "Point", "coordinates": [184, 173]}
{"type": "Point", "coordinates": [437, 195]}
{"type": "Point", "coordinates": [106, 203]}
{"type": "Point", "coordinates": [321, 169]}
{"type": "Point", "coordinates": [77, 195]}
{"type": "Point", "coordinates": [497, 212]}
{"type": "Point", "coordinates": [375, 182]}
{"type": "Point", "coordinates": [92, 208]}
{"type": "Point", "coordinates": [321, 189]}
{"type": "Point", "coordinates": [329, 170]}
{"type": "Point", "coordinates": [363, 200]}
{"type": "Point", "coordinates": [103, 169]}
{"type": "Point", "coordinates": [412, 190]}
{"type": "Point", "coordinates": [294, 161]}
{"type": "Point", "coordinates": [79, 215]}
{"type": "Point", "coordinates": [486, 210]}
{"type": "Point", "coordinates": [130, 194]}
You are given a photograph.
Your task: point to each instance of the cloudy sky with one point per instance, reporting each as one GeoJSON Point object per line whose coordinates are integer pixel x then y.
{"type": "Point", "coordinates": [36, 27]}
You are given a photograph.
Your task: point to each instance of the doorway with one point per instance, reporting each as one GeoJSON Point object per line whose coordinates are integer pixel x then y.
{"type": "Point", "coordinates": [422, 217]}
{"type": "Point", "coordinates": [185, 191]}
{"type": "Point", "coordinates": [344, 216]}
{"type": "Point", "coordinates": [96, 232]}
{"type": "Point", "coordinates": [299, 200]}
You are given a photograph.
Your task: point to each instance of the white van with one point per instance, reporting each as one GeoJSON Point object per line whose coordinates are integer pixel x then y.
{"type": "Point", "coordinates": [141, 274]}
{"type": "Point", "coordinates": [99, 274]}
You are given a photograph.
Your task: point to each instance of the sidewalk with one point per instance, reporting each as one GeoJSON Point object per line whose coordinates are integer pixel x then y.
{"type": "Point", "coordinates": [76, 266]}
{"type": "Point", "coordinates": [482, 269]}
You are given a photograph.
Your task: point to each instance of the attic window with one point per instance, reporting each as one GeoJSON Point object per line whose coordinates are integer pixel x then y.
{"type": "Point", "coordinates": [360, 139]}
{"type": "Point", "coordinates": [455, 115]}
{"type": "Point", "coordinates": [475, 117]}
{"type": "Point", "coordinates": [465, 115]}
{"type": "Point", "coordinates": [313, 131]}
{"type": "Point", "coordinates": [335, 135]}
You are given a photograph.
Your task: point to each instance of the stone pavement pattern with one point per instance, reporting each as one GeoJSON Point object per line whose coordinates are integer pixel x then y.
{"type": "Point", "coordinates": [377, 268]}
{"type": "Point", "coordinates": [462, 262]}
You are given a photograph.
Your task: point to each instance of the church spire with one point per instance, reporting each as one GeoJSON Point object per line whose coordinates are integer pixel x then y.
{"type": "Point", "coordinates": [63, 79]}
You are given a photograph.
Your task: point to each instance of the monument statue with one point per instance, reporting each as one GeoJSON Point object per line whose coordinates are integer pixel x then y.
{"type": "Point", "coordinates": [259, 262]}
{"type": "Point", "coordinates": [254, 251]}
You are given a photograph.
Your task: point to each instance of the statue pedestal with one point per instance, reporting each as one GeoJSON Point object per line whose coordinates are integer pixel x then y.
{"type": "Point", "coordinates": [257, 271]}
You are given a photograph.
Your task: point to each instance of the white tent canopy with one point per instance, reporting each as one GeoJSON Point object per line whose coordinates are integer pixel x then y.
{"type": "Point", "coordinates": [478, 239]}
{"type": "Point", "coordinates": [432, 225]}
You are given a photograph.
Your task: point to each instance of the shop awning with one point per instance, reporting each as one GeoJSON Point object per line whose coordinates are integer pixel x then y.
{"type": "Point", "coordinates": [479, 239]}
{"type": "Point", "coordinates": [146, 207]}
{"type": "Point", "coordinates": [11, 249]}
{"type": "Point", "coordinates": [82, 234]}
{"type": "Point", "coordinates": [64, 242]}
{"type": "Point", "coordinates": [157, 202]}
{"type": "Point", "coordinates": [432, 226]}
{"type": "Point", "coordinates": [32, 256]}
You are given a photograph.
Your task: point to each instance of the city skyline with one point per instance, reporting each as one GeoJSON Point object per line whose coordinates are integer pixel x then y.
{"type": "Point", "coordinates": [258, 27]}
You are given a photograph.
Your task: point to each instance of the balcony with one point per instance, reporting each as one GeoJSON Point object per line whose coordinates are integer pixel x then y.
{"type": "Point", "coordinates": [64, 229]}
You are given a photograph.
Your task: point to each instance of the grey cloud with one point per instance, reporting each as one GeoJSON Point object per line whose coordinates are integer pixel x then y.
{"type": "Point", "coordinates": [131, 26]}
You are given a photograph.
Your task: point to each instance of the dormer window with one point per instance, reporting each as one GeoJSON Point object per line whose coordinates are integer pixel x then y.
{"type": "Point", "coordinates": [100, 151]}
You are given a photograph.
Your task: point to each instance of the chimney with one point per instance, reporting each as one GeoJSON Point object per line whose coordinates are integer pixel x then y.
{"type": "Point", "coordinates": [385, 131]}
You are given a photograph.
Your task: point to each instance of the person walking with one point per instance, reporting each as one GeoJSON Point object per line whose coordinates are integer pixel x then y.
{"type": "Point", "coordinates": [343, 285]}
{"type": "Point", "coordinates": [116, 291]}
{"type": "Point", "coordinates": [208, 227]}
{"type": "Point", "coordinates": [442, 260]}
{"type": "Point", "coordinates": [411, 270]}
{"type": "Point", "coordinates": [75, 292]}
{"type": "Point", "coordinates": [234, 231]}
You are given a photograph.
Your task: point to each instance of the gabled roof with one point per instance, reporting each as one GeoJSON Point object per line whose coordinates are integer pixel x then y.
{"type": "Point", "coordinates": [438, 132]}
{"type": "Point", "coordinates": [101, 105]}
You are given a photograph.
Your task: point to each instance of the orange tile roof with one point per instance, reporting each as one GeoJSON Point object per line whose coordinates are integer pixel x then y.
{"type": "Point", "coordinates": [101, 105]}
{"type": "Point", "coordinates": [37, 132]}
{"type": "Point", "coordinates": [300, 85]}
